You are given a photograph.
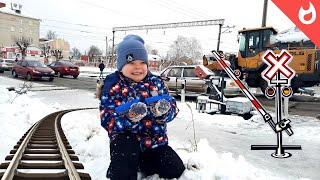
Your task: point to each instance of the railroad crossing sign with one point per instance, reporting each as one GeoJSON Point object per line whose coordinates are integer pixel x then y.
{"type": "Point", "coordinates": [278, 71]}
{"type": "Point", "coordinates": [277, 67]}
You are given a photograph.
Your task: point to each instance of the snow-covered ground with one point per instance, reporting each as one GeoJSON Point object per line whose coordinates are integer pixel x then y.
{"type": "Point", "coordinates": [217, 148]}
{"type": "Point", "coordinates": [88, 71]}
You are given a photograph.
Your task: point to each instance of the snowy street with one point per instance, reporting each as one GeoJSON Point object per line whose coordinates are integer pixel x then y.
{"type": "Point", "coordinates": [223, 141]}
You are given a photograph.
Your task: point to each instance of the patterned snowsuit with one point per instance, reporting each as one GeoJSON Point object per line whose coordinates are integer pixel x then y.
{"type": "Point", "coordinates": [149, 134]}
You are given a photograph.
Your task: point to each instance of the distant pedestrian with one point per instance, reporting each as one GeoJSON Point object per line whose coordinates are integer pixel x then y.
{"type": "Point", "coordinates": [101, 67]}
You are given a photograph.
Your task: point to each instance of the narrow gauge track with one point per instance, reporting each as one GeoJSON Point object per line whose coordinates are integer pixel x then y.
{"type": "Point", "coordinates": [44, 152]}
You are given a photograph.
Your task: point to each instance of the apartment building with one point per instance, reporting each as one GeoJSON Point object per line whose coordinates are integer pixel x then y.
{"type": "Point", "coordinates": [15, 25]}
{"type": "Point", "coordinates": [54, 45]}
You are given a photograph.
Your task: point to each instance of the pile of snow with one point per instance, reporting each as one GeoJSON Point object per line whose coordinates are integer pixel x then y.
{"type": "Point", "coordinates": [289, 35]}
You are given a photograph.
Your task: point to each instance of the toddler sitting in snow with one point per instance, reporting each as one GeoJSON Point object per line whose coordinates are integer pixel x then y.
{"type": "Point", "coordinates": [135, 108]}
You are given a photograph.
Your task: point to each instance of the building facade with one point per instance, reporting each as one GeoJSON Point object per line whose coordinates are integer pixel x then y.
{"type": "Point", "coordinates": [54, 49]}
{"type": "Point", "coordinates": [61, 45]}
{"type": "Point", "coordinates": [15, 25]}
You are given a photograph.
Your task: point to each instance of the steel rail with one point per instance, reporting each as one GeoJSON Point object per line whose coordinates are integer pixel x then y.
{"type": "Point", "coordinates": [72, 171]}
{"type": "Point", "coordinates": [12, 167]}
{"type": "Point", "coordinates": [14, 163]}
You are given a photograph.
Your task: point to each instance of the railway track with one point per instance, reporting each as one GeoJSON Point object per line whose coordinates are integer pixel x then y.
{"type": "Point", "coordinates": [44, 152]}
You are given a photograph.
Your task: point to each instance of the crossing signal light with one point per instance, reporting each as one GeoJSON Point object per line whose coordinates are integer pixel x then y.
{"type": "Point", "coordinates": [287, 91]}
{"type": "Point", "coordinates": [270, 92]}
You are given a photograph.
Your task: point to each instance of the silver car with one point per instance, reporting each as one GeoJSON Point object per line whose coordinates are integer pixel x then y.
{"type": "Point", "coordinates": [194, 85]}
{"type": "Point", "coordinates": [6, 65]}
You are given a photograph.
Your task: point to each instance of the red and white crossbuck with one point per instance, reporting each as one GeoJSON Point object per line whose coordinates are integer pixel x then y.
{"type": "Point", "coordinates": [278, 71]}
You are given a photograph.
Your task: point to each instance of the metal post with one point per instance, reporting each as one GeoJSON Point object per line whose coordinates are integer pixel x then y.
{"type": "Point", "coordinates": [222, 106]}
{"type": "Point", "coordinates": [112, 51]}
{"type": "Point", "coordinates": [278, 102]}
{"type": "Point", "coordinates": [286, 107]}
{"type": "Point", "coordinates": [107, 51]}
{"type": "Point", "coordinates": [219, 36]}
{"type": "Point", "coordinates": [183, 91]}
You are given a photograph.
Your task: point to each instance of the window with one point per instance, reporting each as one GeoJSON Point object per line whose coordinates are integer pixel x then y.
{"type": "Point", "coordinates": [23, 63]}
{"type": "Point", "coordinates": [254, 46]}
{"type": "Point", "coordinates": [20, 30]}
{"type": "Point", "coordinates": [189, 72]}
{"type": "Point", "coordinates": [242, 44]}
{"type": "Point", "coordinates": [12, 29]}
{"type": "Point", "coordinates": [175, 72]}
{"type": "Point", "coordinates": [266, 38]}
{"type": "Point", "coordinates": [9, 61]}
{"type": "Point", "coordinates": [254, 40]}
{"type": "Point", "coordinates": [36, 64]}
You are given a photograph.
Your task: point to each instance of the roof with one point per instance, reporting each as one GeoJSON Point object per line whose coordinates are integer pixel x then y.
{"type": "Point", "coordinates": [183, 66]}
{"type": "Point", "coordinates": [258, 29]}
{"type": "Point", "coordinates": [8, 10]}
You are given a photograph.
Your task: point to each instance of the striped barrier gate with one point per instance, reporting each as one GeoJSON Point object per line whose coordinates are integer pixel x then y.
{"type": "Point", "coordinates": [277, 127]}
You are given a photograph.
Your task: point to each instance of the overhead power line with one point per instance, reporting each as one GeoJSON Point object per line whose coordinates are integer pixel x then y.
{"type": "Point", "coordinates": [77, 24]}
{"type": "Point", "coordinates": [219, 22]}
{"type": "Point", "coordinates": [171, 25]}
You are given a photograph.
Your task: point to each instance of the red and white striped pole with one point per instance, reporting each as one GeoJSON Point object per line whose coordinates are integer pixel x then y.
{"type": "Point", "coordinates": [266, 116]}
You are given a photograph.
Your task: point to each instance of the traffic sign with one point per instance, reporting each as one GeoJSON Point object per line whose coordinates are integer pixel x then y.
{"type": "Point", "coordinates": [278, 71]}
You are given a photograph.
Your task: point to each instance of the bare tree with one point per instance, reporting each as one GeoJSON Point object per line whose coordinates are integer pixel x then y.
{"type": "Point", "coordinates": [45, 49]}
{"type": "Point", "coordinates": [75, 53]}
{"type": "Point", "coordinates": [51, 35]}
{"type": "Point", "coordinates": [94, 51]}
{"type": "Point", "coordinates": [184, 49]}
{"type": "Point", "coordinates": [23, 44]}
{"type": "Point", "coordinates": [151, 50]}
{"type": "Point", "coordinates": [57, 53]}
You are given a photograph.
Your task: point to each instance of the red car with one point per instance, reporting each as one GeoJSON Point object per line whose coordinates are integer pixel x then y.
{"type": "Point", "coordinates": [32, 69]}
{"type": "Point", "coordinates": [64, 68]}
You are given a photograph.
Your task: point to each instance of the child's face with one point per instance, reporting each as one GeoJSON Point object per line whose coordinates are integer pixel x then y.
{"type": "Point", "coordinates": [135, 70]}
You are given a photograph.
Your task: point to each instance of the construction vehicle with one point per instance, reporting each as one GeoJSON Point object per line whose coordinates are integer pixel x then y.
{"type": "Point", "coordinates": [252, 45]}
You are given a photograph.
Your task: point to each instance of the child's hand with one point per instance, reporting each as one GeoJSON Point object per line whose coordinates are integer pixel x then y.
{"type": "Point", "coordinates": [161, 107]}
{"type": "Point", "coordinates": [137, 111]}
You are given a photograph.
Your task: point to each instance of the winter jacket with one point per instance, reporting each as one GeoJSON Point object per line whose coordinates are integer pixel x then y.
{"type": "Point", "coordinates": [118, 91]}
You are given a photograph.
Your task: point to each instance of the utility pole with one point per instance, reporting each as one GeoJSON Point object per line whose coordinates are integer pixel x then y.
{"type": "Point", "coordinates": [112, 51]}
{"type": "Point", "coordinates": [107, 50]}
{"type": "Point", "coordinates": [219, 35]}
{"type": "Point", "coordinates": [264, 15]}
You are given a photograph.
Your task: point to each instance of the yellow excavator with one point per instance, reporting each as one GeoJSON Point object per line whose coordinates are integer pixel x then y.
{"type": "Point", "coordinates": [252, 45]}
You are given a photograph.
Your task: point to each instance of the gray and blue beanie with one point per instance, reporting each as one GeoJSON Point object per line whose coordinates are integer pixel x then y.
{"type": "Point", "coordinates": [130, 49]}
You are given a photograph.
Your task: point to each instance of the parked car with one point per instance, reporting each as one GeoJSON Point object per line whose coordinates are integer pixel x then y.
{"type": "Point", "coordinates": [194, 85]}
{"type": "Point", "coordinates": [32, 69]}
{"type": "Point", "coordinates": [6, 65]}
{"type": "Point", "coordinates": [65, 68]}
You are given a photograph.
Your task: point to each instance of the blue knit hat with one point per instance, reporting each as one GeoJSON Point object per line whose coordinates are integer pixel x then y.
{"type": "Point", "coordinates": [130, 49]}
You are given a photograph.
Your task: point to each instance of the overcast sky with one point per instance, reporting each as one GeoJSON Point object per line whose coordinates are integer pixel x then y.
{"type": "Point", "coordinates": [87, 22]}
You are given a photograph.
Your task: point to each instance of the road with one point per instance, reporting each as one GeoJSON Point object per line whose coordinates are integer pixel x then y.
{"type": "Point", "coordinates": [299, 104]}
